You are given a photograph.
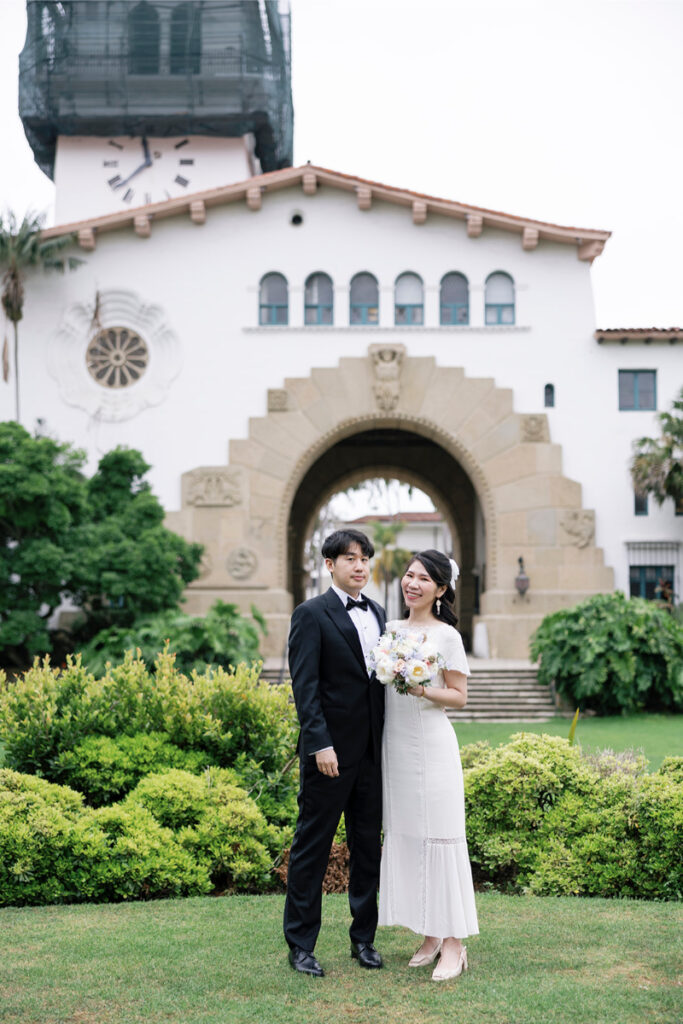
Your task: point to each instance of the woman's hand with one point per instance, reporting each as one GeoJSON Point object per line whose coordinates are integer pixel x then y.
{"type": "Point", "coordinates": [452, 695]}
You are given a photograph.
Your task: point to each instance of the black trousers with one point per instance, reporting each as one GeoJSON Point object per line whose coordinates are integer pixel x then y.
{"type": "Point", "coordinates": [357, 793]}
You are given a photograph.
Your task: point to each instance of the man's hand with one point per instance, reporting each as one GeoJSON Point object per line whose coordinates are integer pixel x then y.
{"type": "Point", "coordinates": [327, 763]}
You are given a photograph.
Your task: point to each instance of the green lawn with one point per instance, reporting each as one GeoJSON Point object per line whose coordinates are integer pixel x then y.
{"type": "Point", "coordinates": [657, 735]}
{"type": "Point", "coordinates": [211, 961]}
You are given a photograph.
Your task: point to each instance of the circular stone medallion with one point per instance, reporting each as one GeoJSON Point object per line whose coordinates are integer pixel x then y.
{"type": "Point", "coordinates": [117, 357]}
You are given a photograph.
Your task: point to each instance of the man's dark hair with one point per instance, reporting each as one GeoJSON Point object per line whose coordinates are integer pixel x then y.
{"type": "Point", "coordinates": [339, 542]}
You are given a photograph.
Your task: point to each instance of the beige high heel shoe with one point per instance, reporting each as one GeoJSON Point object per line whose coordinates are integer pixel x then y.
{"type": "Point", "coordinates": [423, 959]}
{"type": "Point", "coordinates": [443, 974]}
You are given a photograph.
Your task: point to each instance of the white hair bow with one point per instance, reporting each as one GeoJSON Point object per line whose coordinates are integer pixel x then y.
{"type": "Point", "coordinates": [455, 572]}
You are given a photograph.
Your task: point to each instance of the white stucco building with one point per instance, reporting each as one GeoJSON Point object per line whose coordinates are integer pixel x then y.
{"type": "Point", "coordinates": [267, 341]}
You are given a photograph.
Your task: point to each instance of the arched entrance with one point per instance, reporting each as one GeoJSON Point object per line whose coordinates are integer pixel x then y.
{"type": "Point", "coordinates": [413, 458]}
{"type": "Point", "coordinates": [458, 437]}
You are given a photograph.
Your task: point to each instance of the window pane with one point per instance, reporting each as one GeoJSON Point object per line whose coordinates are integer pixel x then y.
{"type": "Point", "coordinates": [401, 315]}
{"type": "Point", "coordinates": [318, 290]}
{"type": "Point", "coordinates": [280, 314]}
{"type": "Point", "coordinates": [274, 289]}
{"type": "Point", "coordinates": [454, 288]}
{"type": "Point", "coordinates": [326, 314]}
{"type": "Point", "coordinates": [646, 390]}
{"type": "Point", "coordinates": [491, 315]}
{"type": "Point", "coordinates": [463, 314]}
{"type": "Point", "coordinates": [500, 289]}
{"type": "Point", "coordinates": [364, 289]}
{"type": "Point", "coordinates": [640, 504]}
{"type": "Point", "coordinates": [507, 315]}
{"type": "Point", "coordinates": [373, 315]}
{"type": "Point", "coordinates": [409, 289]}
{"type": "Point", "coordinates": [549, 396]}
{"type": "Point", "coordinates": [627, 399]}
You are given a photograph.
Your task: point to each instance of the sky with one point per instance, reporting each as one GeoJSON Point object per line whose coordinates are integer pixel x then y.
{"type": "Point", "coordinates": [569, 112]}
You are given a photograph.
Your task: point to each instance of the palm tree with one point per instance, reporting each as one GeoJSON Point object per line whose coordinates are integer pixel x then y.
{"type": "Point", "coordinates": [22, 246]}
{"type": "Point", "coordinates": [390, 560]}
{"type": "Point", "coordinates": [657, 464]}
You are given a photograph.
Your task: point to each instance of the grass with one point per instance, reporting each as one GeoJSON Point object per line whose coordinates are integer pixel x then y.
{"type": "Point", "coordinates": [205, 961]}
{"type": "Point", "coordinates": [657, 735]}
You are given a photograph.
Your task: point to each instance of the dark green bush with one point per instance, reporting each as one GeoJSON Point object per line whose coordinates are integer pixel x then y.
{"type": "Point", "coordinates": [222, 714]}
{"type": "Point", "coordinates": [53, 850]}
{"type": "Point", "coordinates": [543, 818]}
{"type": "Point", "coordinates": [274, 793]}
{"type": "Point", "coordinates": [104, 769]}
{"type": "Point", "coordinates": [613, 655]}
{"type": "Point", "coordinates": [221, 637]}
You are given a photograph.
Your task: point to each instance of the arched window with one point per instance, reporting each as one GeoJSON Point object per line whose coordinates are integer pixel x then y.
{"type": "Point", "coordinates": [549, 396]}
{"type": "Point", "coordinates": [364, 300]}
{"type": "Point", "coordinates": [500, 299]}
{"type": "Point", "coordinates": [143, 40]}
{"type": "Point", "coordinates": [408, 299]}
{"type": "Point", "coordinates": [455, 299]}
{"type": "Point", "coordinates": [318, 295]}
{"type": "Point", "coordinates": [186, 40]}
{"type": "Point", "coordinates": [273, 300]}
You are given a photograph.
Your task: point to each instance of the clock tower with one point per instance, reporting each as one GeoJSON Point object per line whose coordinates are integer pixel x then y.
{"type": "Point", "coordinates": [130, 103]}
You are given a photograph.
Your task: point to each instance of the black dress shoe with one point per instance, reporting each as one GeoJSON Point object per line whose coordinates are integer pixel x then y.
{"type": "Point", "coordinates": [366, 955]}
{"type": "Point", "coordinates": [305, 962]}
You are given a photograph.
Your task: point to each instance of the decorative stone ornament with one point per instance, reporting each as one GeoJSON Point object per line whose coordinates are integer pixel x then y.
{"type": "Point", "coordinates": [218, 487]}
{"type": "Point", "coordinates": [579, 527]}
{"type": "Point", "coordinates": [277, 400]}
{"type": "Point", "coordinates": [386, 364]}
{"type": "Point", "coordinates": [242, 563]}
{"type": "Point", "coordinates": [534, 429]}
{"type": "Point", "coordinates": [115, 356]}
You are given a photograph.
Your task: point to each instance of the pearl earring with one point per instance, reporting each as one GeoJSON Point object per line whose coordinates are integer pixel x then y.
{"type": "Point", "coordinates": [438, 606]}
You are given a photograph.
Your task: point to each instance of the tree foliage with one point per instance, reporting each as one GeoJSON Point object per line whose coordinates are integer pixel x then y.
{"type": "Point", "coordinates": [22, 246]}
{"type": "Point", "coordinates": [390, 560]}
{"type": "Point", "coordinates": [657, 464]}
{"type": "Point", "coordinates": [100, 542]}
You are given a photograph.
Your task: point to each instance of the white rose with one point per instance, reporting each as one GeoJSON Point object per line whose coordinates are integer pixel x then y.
{"type": "Point", "coordinates": [417, 672]}
{"type": "Point", "coordinates": [384, 670]}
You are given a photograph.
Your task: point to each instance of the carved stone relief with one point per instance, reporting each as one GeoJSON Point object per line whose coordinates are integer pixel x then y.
{"type": "Point", "coordinates": [216, 487]}
{"type": "Point", "coordinates": [534, 429]}
{"type": "Point", "coordinates": [278, 400]}
{"type": "Point", "coordinates": [579, 527]}
{"type": "Point", "coordinates": [386, 365]}
{"type": "Point", "coordinates": [242, 563]}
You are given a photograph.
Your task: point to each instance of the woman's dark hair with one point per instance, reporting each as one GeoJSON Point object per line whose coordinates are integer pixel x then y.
{"type": "Point", "coordinates": [440, 570]}
{"type": "Point", "coordinates": [339, 542]}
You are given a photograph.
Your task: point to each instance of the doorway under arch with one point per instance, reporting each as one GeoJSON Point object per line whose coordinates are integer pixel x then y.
{"type": "Point", "coordinates": [412, 458]}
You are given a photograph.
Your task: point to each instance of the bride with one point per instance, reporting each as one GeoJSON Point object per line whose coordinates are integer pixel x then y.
{"type": "Point", "coordinates": [425, 878]}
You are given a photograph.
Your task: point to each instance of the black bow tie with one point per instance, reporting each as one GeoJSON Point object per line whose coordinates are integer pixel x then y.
{"type": "Point", "coordinates": [362, 604]}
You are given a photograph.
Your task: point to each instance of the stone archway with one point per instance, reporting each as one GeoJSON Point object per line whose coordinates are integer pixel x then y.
{"type": "Point", "coordinates": [242, 512]}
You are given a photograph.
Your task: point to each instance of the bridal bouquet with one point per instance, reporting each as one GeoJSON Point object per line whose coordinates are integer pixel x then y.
{"type": "Point", "coordinates": [404, 658]}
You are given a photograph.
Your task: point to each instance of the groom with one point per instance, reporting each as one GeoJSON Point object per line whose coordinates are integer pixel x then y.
{"type": "Point", "coordinates": [341, 713]}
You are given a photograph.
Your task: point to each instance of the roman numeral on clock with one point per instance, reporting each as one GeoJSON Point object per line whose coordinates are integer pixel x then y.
{"type": "Point", "coordinates": [114, 181]}
{"type": "Point", "coordinates": [181, 181]}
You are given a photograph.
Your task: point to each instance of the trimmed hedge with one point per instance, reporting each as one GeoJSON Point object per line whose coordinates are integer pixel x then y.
{"type": "Point", "coordinates": [543, 819]}
{"type": "Point", "coordinates": [221, 713]}
{"type": "Point", "coordinates": [176, 834]}
{"type": "Point", "coordinates": [104, 769]}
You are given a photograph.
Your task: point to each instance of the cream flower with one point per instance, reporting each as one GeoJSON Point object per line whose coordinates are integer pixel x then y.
{"type": "Point", "coordinates": [417, 672]}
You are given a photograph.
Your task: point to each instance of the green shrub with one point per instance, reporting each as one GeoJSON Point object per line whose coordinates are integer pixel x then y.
{"type": "Point", "coordinates": [544, 818]}
{"type": "Point", "coordinates": [53, 850]}
{"type": "Point", "coordinates": [613, 654]}
{"type": "Point", "coordinates": [507, 794]}
{"type": "Point", "coordinates": [473, 753]}
{"type": "Point", "coordinates": [274, 793]}
{"type": "Point", "coordinates": [221, 637]}
{"type": "Point", "coordinates": [105, 769]}
{"type": "Point", "coordinates": [222, 714]}
{"type": "Point", "coordinates": [672, 766]}
{"type": "Point", "coordinates": [217, 822]}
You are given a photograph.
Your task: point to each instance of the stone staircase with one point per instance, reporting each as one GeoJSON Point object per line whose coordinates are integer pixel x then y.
{"type": "Point", "coordinates": [505, 693]}
{"type": "Point", "coordinates": [497, 692]}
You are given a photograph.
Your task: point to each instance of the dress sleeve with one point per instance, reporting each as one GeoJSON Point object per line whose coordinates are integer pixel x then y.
{"type": "Point", "coordinates": [453, 651]}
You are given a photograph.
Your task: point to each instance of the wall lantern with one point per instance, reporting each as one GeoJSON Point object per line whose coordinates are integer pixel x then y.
{"type": "Point", "coordinates": [521, 579]}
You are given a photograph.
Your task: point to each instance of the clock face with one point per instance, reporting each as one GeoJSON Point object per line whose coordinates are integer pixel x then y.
{"type": "Point", "coordinates": [140, 170]}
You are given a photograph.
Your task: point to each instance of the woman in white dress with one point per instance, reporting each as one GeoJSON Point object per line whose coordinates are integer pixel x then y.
{"type": "Point", "coordinates": [426, 879]}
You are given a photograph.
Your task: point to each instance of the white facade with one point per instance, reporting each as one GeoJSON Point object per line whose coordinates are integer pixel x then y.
{"type": "Point", "coordinates": [187, 280]}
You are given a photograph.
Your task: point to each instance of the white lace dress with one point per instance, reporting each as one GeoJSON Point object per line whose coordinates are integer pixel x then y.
{"type": "Point", "coordinates": [425, 879]}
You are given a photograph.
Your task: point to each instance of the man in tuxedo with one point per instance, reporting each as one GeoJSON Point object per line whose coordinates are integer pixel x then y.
{"type": "Point", "coordinates": [341, 714]}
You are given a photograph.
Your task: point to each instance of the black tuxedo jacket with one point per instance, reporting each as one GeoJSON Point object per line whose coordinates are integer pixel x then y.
{"type": "Point", "coordinates": [338, 704]}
